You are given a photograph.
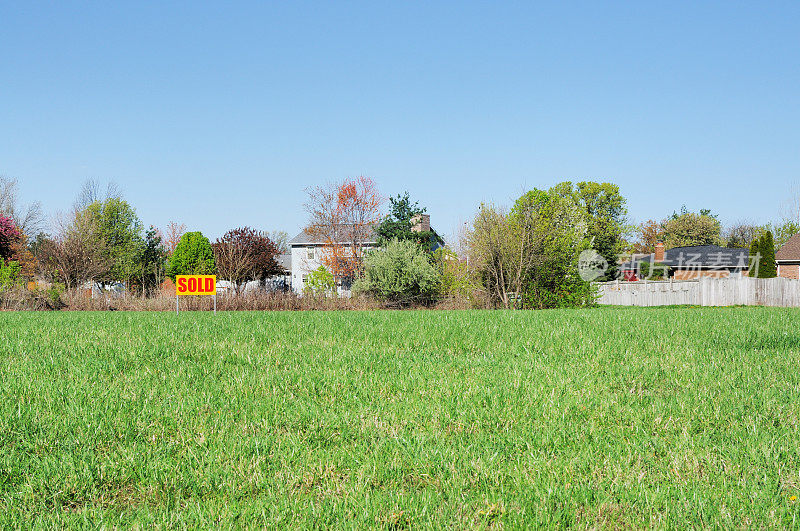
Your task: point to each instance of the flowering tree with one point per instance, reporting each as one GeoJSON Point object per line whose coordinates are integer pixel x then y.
{"type": "Point", "coordinates": [10, 236]}
{"type": "Point", "coordinates": [343, 216]}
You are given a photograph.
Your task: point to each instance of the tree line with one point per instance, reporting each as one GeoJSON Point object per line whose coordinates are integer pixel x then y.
{"type": "Point", "coordinates": [102, 241]}
{"type": "Point", "coordinates": [523, 256]}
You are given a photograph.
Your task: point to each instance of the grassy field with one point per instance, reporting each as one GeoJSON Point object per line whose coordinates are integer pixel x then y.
{"type": "Point", "coordinates": [605, 417]}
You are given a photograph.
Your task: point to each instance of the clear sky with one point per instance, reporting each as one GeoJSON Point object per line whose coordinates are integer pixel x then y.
{"type": "Point", "coordinates": [220, 115]}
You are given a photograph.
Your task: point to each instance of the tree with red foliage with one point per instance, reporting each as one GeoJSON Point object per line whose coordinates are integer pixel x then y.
{"type": "Point", "coordinates": [10, 237]}
{"type": "Point", "coordinates": [245, 254]}
{"type": "Point", "coordinates": [649, 233]}
{"type": "Point", "coordinates": [344, 216]}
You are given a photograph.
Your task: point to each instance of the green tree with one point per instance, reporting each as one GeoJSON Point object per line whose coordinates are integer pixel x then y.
{"type": "Point", "coordinates": [399, 224]}
{"type": "Point", "coordinates": [401, 272]}
{"type": "Point", "coordinates": [320, 282]}
{"type": "Point", "coordinates": [755, 253]}
{"type": "Point", "coordinates": [689, 229]}
{"type": "Point", "coordinates": [782, 231]}
{"type": "Point", "coordinates": [768, 267]}
{"type": "Point", "coordinates": [113, 229]}
{"type": "Point", "coordinates": [193, 255]}
{"type": "Point", "coordinates": [656, 272]}
{"type": "Point", "coordinates": [605, 211]}
{"type": "Point", "coordinates": [153, 261]}
{"type": "Point", "coordinates": [552, 229]}
{"type": "Point", "coordinates": [528, 258]}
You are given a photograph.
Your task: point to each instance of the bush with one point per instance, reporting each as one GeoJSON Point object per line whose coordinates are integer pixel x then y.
{"type": "Point", "coordinates": [455, 279]}
{"type": "Point", "coordinates": [654, 273]}
{"type": "Point", "coordinates": [399, 273]}
{"type": "Point", "coordinates": [54, 293]}
{"type": "Point", "coordinates": [9, 274]}
{"type": "Point", "coordinates": [320, 282]}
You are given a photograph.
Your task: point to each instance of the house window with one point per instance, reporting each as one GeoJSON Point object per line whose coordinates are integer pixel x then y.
{"type": "Point", "coordinates": [310, 254]}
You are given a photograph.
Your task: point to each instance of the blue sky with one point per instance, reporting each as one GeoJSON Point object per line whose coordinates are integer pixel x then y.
{"type": "Point", "coordinates": [219, 116]}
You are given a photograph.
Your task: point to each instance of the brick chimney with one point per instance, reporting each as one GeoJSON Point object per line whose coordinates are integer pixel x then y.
{"type": "Point", "coordinates": [659, 254]}
{"type": "Point", "coordinates": [421, 223]}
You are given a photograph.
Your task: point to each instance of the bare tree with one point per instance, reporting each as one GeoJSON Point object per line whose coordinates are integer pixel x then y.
{"type": "Point", "coordinates": [741, 234]}
{"type": "Point", "coordinates": [90, 193]}
{"type": "Point", "coordinates": [280, 239]}
{"type": "Point", "coordinates": [173, 234]}
{"type": "Point", "coordinates": [343, 216]}
{"type": "Point", "coordinates": [72, 256]}
{"type": "Point", "coordinates": [29, 218]}
{"type": "Point", "coordinates": [490, 252]}
{"type": "Point", "coordinates": [790, 207]}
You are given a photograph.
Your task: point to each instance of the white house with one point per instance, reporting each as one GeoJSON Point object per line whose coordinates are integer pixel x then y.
{"type": "Point", "coordinates": [306, 256]}
{"type": "Point", "coordinates": [306, 253]}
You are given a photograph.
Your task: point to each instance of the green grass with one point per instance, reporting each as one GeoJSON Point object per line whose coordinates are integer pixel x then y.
{"type": "Point", "coordinates": [600, 418]}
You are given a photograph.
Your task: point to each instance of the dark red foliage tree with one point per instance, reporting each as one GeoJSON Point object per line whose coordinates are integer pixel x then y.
{"type": "Point", "coordinates": [245, 254]}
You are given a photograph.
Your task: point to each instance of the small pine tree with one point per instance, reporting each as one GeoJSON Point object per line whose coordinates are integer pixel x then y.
{"type": "Point", "coordinates": [768, 267]}
{"type": "Point", "coordinates": [755, 247]}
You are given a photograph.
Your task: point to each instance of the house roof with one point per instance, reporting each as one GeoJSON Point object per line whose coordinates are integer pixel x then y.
{"type": "Point", "coordinates": [789, 250]}
{"type": "Point", "coordinates": [285, 261]}
{"type": "Point", "coordinates": [698, 257]}
{"type": "Point", "coordinates": [306, 238]}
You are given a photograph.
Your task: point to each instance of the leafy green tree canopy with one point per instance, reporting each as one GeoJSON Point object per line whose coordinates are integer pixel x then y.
{"type": "Point", "coordinates": [782, 231]}
{"type": "Point", "coordinates": [689, 228]}
{"type": "Point", "coordinates": [605, 213]}
{"type": "Point", "coordinates": [529, 257]}
{"type": "Point", "coordinates": [112, 228]}
{"type": "Point", "coordinates": [193, 255]}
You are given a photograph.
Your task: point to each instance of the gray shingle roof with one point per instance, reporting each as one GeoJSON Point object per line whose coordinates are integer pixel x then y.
{"type": "Point", "coordinates": [285, 261]}
{"type": "Point", "coordinates": [306, 238]}
{"type": "Point", "coordinates": [699, 257]}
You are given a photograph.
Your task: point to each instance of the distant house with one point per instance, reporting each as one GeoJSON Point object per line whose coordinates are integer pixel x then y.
{"type": "Point", "coordinates": [788, 258]}
{"type": "Point", "coordinates": [306, 253]}
{"type": "Point", "coordinates": [692, 262]}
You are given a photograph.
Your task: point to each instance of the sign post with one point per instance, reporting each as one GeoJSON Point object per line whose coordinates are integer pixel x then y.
{"type": "Point", "coordinates": [195, 285]}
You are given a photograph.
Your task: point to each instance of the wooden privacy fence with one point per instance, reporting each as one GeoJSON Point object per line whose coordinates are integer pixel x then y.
{"type": "Point", "coordinates": [744, 291]}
